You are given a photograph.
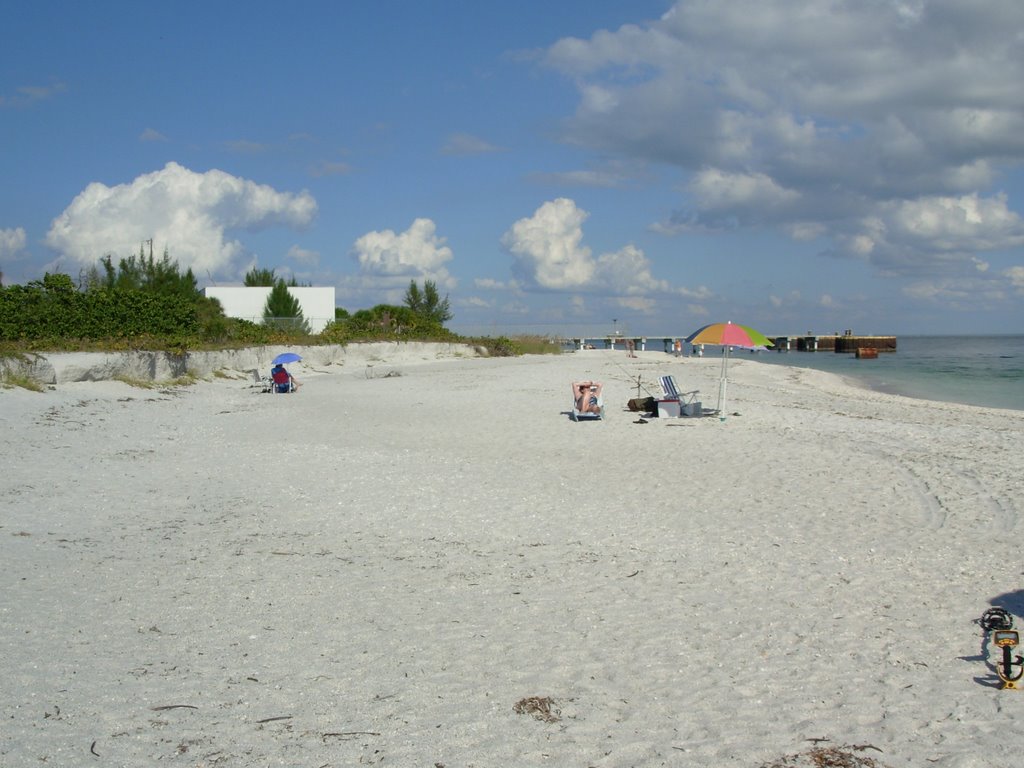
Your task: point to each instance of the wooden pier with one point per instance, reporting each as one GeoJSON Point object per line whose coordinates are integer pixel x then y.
{"type": "Point", "coordinates": [640, 343]}
{"type": "Point", "coordinates": [846, 343]}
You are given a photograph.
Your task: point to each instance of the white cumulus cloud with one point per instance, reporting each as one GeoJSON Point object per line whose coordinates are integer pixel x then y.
{"type": "Point", "coordinates": [630, 271]}
{"type": "Point", "coordinates": [11, 242]}
{"type": "Point", "coordinates": [1016, 277]}
{"type": "Point", "coordinates": [813, 117]}
{"type": "Point", "coordinates": [924, 234]}
{"type": "Point", "coordinates": [188, 213]}
{"type": "Point", "coordinates": [548, 253]}
{"type": "Point", "coordinates": [417, 252]}
{"type": "Point", "coordinates": [547, 249]}
{"type": "Point", "coordinates": [718, 190]}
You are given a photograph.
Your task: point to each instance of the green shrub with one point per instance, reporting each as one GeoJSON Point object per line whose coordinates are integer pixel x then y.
{"type": "Point", "coordinates": [148, 304]}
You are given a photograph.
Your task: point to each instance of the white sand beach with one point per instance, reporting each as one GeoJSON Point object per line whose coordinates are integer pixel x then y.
{"type": "Point", "coordinates": [378, 569]}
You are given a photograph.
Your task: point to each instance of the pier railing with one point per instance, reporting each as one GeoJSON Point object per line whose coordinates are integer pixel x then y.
{"type": "Point", "coordinates": [846, 343]}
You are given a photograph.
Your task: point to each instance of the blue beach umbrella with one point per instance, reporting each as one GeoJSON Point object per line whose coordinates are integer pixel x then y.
{"type": "Point", "coordinates": [287, 357]}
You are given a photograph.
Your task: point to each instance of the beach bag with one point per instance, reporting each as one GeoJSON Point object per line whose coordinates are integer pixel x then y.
{"type": "Point", "coordinates": [644, 404]}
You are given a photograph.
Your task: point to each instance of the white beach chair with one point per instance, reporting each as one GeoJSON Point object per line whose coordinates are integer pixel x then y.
{"type": "Point", "coordinates": [263, 382]}
{"type": "Point", "coordinates": [677, 403]}
{"type": "Point", "coordinates": [578, 415]}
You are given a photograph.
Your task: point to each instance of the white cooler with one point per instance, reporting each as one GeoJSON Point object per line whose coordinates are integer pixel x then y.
{"type": "Point", "coordinates": [673, 409]}
{"type": "Point", "coordinates": [668, 409]}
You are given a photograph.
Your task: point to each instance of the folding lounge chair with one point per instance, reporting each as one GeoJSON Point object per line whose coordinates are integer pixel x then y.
{"type": "Point", "coordinates": [263, 382]}
{"type": "Point", "coordinates": [578, 415]}
{"type": "Point", "coordinates": [676, 403]}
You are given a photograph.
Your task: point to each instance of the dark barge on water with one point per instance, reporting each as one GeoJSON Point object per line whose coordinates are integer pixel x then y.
{"type": "Point", "coordinates": [848, 343]}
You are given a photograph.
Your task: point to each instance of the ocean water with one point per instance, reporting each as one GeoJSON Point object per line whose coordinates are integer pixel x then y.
{"type": "Point", "coordinates": [975, 370]}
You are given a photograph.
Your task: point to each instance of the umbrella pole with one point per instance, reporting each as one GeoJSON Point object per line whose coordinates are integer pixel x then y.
{"type": "Point", "coordinates": [723, 384]}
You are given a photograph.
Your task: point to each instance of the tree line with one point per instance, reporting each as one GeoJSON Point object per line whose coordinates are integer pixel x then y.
{"type": "Point", "coordinates": [144, 302]}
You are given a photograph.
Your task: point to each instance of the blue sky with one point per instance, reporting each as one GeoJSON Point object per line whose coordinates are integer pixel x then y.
{"type": "Point", "coordinates": [554, 166]}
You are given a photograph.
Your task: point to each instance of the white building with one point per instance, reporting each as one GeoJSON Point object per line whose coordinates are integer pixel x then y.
{"type": "Point", "coordinates": [317, 304]}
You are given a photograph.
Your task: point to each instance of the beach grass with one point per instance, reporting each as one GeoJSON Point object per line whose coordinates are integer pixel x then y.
{"type": "Point", "coordinates": [537, 345]}
{"type": "Point", "coordinates": [12, 380]}
{"type": "Point", "coordinates": [181, 381]}
{"type": "Point", "coordinates": [513, 346]}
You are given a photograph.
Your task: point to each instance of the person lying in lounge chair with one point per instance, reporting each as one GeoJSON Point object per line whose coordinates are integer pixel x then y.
{"type": "Point", "coordinates": [587, 395]}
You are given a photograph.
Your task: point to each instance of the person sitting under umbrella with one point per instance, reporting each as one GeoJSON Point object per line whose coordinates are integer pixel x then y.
{"type": "Point", "coordinates": [283, 381]}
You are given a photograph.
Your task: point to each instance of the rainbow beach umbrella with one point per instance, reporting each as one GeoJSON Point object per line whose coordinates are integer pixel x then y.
{"type": "Point", "coordinates": [728, 335]}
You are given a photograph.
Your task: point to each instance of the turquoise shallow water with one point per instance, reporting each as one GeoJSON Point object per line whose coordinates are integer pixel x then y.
{"type": "Point", "coordinates": [976, 370]}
